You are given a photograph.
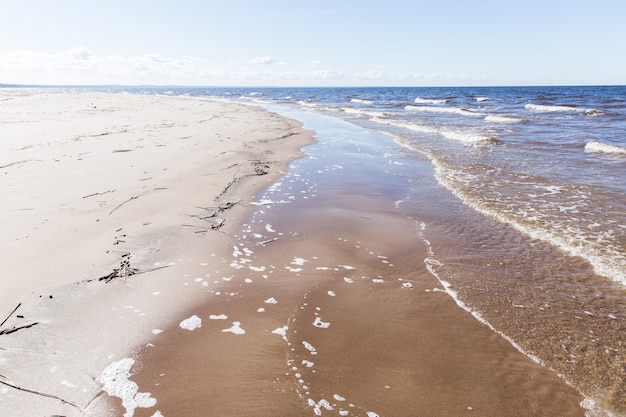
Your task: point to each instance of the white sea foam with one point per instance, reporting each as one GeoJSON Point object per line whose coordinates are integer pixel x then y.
{"type": "Point", "coordinates": [603, 147]}
{"type": "Point", "coordinates": [236, 329]}
{"type": "Point", "coordinates": [361, 101]}
{"type": "Point", "coordinates": [191, 323]}
{"type": "Point", "coordinates": [298, 261]}
{"type": "Point", "coordinates": [560, 109]}
{"type": "Point", "coordinates": [481, 99]}
{"type": "Point", "coordinates": [309, 347]}
{"type": "Point", "coordinates": [218, 317]}
{"type": "Point", "coordinates": [281, 331]}
{"type": "Point", "coordinates": [454, 110]}
{"type": "Point", "coordinates": [271, 300]}
{"type": "Point", "coordinates": [321, 324]}
{"type": "Point", "coordinates": [369, 113]}
{"type": "Point", "coordinates": [459, 136]}
{"type": "Point", "coordinates": [430, 101]}
{"type": "Point", "coordinates": [501, 119]}
{"type": "Point", "coordinates": [115, 382]}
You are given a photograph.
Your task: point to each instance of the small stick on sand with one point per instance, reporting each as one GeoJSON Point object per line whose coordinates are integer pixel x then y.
{"type": "Point", "coordinates": [9, 316]}
{"type": "Point", "coordinates": [15, 329]}
{"type": "Point", "coordinates": [268, 241]}
{"type": "Point", "coordinates": [12, 385]}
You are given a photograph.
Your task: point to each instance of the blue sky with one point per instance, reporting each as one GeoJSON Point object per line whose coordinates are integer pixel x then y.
{"type": "Point", "coordinates": [313, 43]}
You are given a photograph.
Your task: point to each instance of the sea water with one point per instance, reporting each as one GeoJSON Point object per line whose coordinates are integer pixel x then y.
{"type": "Point", "coordinates": [522, 203]}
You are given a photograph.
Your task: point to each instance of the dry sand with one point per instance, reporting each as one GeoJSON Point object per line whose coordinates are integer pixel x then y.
{"type": "Point", "coordinates": [91, 181]}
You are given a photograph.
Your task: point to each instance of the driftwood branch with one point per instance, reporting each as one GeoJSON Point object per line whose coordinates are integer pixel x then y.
{"type": "Point", "coordinates": [125, 270]}
{"type": "Point", "coordinates": [265, 242]}
{"type": "Point", "coordinates": [9, 316]}
{"type": "Point", "coordinates": [124, 202]}
{"type": "Point", "coordinates": [15, 329]}
{"type": "Point", "coordinates": [8, 383]}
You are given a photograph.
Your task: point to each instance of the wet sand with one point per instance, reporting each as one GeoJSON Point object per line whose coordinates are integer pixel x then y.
{"type": "Point", "coordinates": [325, 306]}
{"type": "Point", "coordinates": [396, 344]}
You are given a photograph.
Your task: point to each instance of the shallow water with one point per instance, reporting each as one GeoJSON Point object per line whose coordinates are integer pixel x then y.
{"type": "Point", "coordinates": [549, 304]}
{"type": "Point", "coordinates": [520, 193]}
{"type": "Point", "coordinates": [329, 280]}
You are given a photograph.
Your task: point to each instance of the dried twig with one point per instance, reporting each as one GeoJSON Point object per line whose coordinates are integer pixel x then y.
{"type": "Point", "coordinates": [9, 316]}
{"type": "Point", "coordinates": [15, 329]}
{"type": "Point", "coordinates": [124, 202]}
{"type": "Point", "coordinates": [9, 383]}
{"type": "Point", "coordinates": [265, 242]}
{"type": "Point", "coordinates": [125, 270]}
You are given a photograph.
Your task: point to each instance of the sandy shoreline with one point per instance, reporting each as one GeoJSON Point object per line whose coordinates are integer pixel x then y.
{"type": "Point", "coordinates": [90, 178]}
{"type": "Point", "coordinates": [326, 307]}
{"type": "Point", "coordinates": [323, 306]}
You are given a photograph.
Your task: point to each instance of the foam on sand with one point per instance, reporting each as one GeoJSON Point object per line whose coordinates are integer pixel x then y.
{"type": "Point", "coordinates": [235, 329]}
{"type": "Point", "coordinates": [191, 323]}
{"type": "Point", "coordinates": [115, 382]}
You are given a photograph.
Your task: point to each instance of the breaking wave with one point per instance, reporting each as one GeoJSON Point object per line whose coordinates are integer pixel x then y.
{"type": "Point", "coordinates": [602, 147]}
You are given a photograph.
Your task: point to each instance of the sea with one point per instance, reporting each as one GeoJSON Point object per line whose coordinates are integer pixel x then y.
{"type": "Point", "coordinates": [520, 191]}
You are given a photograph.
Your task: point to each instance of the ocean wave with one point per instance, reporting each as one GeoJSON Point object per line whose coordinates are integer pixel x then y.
{"type": "Point", "coordinates": [369, 113]}
{"type": "Point", "coordinates": [481, 99]}
{"type": "Point", "coordinates": [453, 110]}
{"type": "Point", "coordinates": [459, 136]}
{"type": "Point", "coordinates": [606, 260]}
{"type": "Point", "coordinates": [562, 109]}
{"type": "Point", "coordinates": [502, 119]}
{"type": "Point", "coordinates": [430, 101]}
{"type": "Point", "coordinates": [361, 101]}
{"type": "Point", "coordinates": [602, 147]}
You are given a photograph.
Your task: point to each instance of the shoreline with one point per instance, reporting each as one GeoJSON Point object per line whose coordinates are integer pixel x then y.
{"type": "Point", "coordinates": [309, 302]}
{"type": "Point", "coordinates": [328, 307]}
{"type": "Point", "coordinates": [99, 179]}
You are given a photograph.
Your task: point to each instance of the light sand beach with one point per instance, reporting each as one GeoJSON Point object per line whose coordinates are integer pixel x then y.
{"type": "Point", "coordinates": [325, 308]}
{"type": "Point", "coordinates": [138, 189]}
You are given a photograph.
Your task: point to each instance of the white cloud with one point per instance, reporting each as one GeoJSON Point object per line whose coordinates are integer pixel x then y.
{"type": "Point", "coordinates": [79, 53]}
{"type": "Point", "coordinates": [80, 66]}
{"type": "Point", "coordinates": [263, 60]}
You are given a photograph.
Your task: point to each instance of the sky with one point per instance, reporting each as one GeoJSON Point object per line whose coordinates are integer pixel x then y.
{"type": "Point", "coordinates": [313, 42]}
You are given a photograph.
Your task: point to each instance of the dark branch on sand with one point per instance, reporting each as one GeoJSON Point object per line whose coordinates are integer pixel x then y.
{"type": "Point", "coordinates": [9, 316]}
{"type": "Point", "coordinates": [14, 328]}
{"type": "Point", "coordinates": [8, 383]}
{"type": "Point", "coordinates": [125, 270]}
{"type": "Point", "coordinates": [124, 202]}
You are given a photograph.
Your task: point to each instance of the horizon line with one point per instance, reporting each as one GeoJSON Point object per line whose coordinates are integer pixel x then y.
{"type": "Point", "coordinates": [15, 85]}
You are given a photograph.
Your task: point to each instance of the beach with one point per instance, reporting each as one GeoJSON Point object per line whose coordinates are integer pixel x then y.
{"type": "Point", "coordinates": [181, 256]}
{"type": "Point", "coordinates": [114, 204]}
